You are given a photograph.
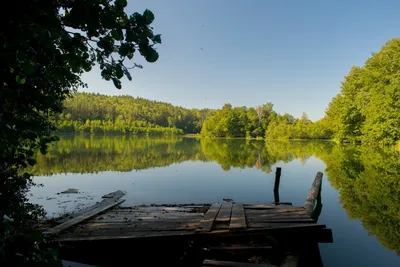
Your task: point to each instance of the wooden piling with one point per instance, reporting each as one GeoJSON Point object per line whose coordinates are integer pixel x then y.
{"type": "Point", "coordinates": [313, 193]}
{"type": "Point", "coordinates": [277, 179]}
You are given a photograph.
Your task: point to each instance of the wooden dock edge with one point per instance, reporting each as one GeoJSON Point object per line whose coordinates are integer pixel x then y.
{"type": "Point", "coordinates": [313, 194]}
{"type": "Point", "coordinates": [89, 213]}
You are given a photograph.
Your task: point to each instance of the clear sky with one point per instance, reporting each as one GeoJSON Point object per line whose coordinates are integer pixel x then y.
{"type": "Point", "coordinates": [291, 53]}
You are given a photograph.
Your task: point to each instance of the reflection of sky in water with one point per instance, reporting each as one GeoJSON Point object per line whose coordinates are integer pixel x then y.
{"type": "Point", "coordinates": [205, 182]}
{"type": "Point", "coordinates": [187, 182]}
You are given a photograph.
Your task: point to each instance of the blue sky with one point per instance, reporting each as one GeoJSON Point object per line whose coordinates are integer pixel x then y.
{"type": "Point", "coordinates": [291, 53]}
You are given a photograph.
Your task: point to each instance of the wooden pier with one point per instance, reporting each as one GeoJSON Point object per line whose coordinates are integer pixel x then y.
{"type": "Point", "coordinates": [218, 227]}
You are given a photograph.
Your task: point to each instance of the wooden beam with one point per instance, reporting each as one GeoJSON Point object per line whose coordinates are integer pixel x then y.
{"type": "Point", "coordinates": [313, 193]}
{"type": "Point", "coordinates": [238, 248]}
{"type": "Point", "coordinates": [277, 180]}
{"type": "Point", "coordinates": [105, 205]}
{"type": "Point", "coordinates": [224, 214]}
{"type": "Point", "coordinates": [207, 222]}
{"type": "Point", "coordinates": [116, 195]}
{"type": "Point", "coordinates": [238, 218]}
{"type": "Point", "coordinates": [233, 264]}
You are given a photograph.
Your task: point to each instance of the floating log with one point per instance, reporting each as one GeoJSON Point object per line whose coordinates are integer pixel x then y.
{"type": "Point", "coordinates": [313, 193]}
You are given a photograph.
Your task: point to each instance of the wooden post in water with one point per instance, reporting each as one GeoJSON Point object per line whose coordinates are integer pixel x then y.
{"type": "Point", "coordinates": [276, 184]}
{"type": "Point", "coordinates": [277, 178]}
{"type": "Point", "coordinates": [313, 193]}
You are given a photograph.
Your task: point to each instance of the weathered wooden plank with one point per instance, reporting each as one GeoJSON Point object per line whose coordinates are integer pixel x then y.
{"type": "Point", "coordinates": [131, 235]}
{"type": "Point", "coordinates": [259, 206]}
{"type": "Point", "coordinates": [157, 209]}
{"type": "Point", "coordinates": [207, 222]}
{"type": "Point", "coordinates": [274, 223]}
{"type": "Point", "coordinates": [144, 219]}
{"type": "Point", "coordinates": [238, 218]}
{"type": "Point", "coordinates": [107, 204]}
{"type": "Point", "coordinates": [117, 194]}
{"type": "Point", "coordinates": [313, 193]}
{"type": "Point", "coordinates": [262, 206]}
{"type": "Point", "coordinates": [165, 213]}
{"type": "Point", "coordinates": [238, 248]}
{"type": "Point", "coordinates": [291, 227]}
{"type": "Point", "coordinates": [282, 203]}
{"type": "Point", "coordinates": [142, 216]}
{"type": "Point", "coordinates": [101, 229]}
{"type": "Point", "coordinates": [233, 264]}
{"type": "Point", "coordinates": [224, 214]}
{"type": "Point", "coordinates": [278, 216]}
{"type": "Point", "coordinates": [275, 211]}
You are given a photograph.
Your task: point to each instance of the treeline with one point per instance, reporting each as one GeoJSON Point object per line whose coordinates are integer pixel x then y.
{"type": "Point", "coordinates": [368, 107]}
{"type": "Point", "coordinates": [95, 113]}
{"type": "Point", "coordinates": [263, 122]}
{"type": "Point", "coordinates": [366, 110]}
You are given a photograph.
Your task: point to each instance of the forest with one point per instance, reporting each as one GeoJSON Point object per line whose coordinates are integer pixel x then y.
{"type": "Point", "coordinates": [366, 110]}
{"type": "Point", "coordinates": [95, 113]}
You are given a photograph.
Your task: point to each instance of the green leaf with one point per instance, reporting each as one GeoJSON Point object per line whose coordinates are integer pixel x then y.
{"type": "Point", "coordinates": [148, 16]}
{"type": "Point", "coordinates": [31, 161]}
{"type": "Point", "coordinates": [123, 50]}
{"type": "Point", "coordinates": [34, 236]}
{"type": "Point", "coordinates": [121, 3]}
{"type": "Point", "coordinates": [131, 36]}
{"type": "Point", "coordinates": [29, 153]}
{"type": "Point", "coordinates": [117, 34]}
{"type": "Point", "coordinates": [29, 68]}
{"type": "Point", "coordinates": [157, 39]}
{"type": "Point", "coordinates": [43, 150]}
{"type": "Point", "coordinates": [20, 79]}
{"type": "Point", "coordinates": [118, 71]}
{"type": "Point", "coordinates": [151, 55]}
{"type": "Point", "coordinates": [117, 83]}
{"type": "Point", "coordinates": [128, 75]}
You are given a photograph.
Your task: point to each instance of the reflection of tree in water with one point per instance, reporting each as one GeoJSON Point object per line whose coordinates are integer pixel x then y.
{"type": "Point", "coordinates": [87, 154]}
{"type": "Point", "coordinates": [258, 154]}
{"type": "Point", "coordinates": [369, 184]}
{"type": "Point", "coordinates": [78, 154]}
{"type": "Point", "coordinates": [368, 179]}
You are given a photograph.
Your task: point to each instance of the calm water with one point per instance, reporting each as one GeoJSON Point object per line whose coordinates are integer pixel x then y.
{"type": "Point", "coordinates": [360, 190]}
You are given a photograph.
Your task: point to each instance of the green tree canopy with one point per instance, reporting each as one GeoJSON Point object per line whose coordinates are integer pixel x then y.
{"type": "Point", "coordinates": [98, 113]}
{"type": "Point", "coordinates": [368, 107]}
{"type": "Point", "coordinates": [45, 48]}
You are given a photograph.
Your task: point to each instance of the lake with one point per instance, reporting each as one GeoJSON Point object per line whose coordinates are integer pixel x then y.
{"type": "Point", "coordinates": [360, 188]}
